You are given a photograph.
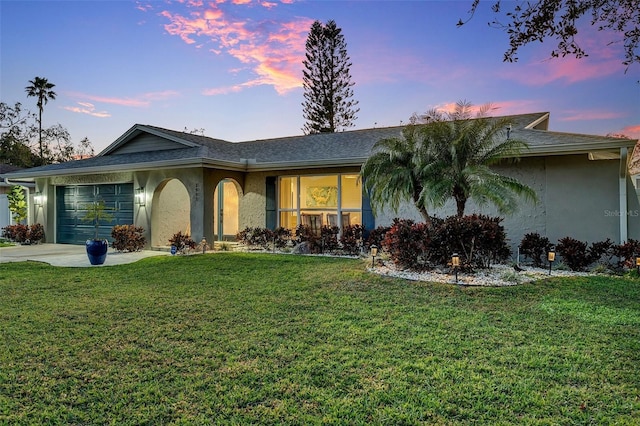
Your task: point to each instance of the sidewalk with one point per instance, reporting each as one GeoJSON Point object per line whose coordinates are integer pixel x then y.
{"type": "Point", "coordinates": [69, 255]}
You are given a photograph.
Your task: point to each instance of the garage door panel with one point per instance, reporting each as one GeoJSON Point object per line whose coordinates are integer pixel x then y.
{"type": "Point", "coordinates": [71, 204]}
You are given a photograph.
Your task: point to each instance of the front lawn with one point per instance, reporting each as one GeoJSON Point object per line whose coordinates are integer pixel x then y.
{"type": "Point", "coordinates": [237, 338]}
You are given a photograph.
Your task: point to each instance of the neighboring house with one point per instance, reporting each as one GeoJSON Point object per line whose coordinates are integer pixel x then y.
{"type": "Point", "coordinates": [168, 181]}
{"type": "Point", "coordinates": [5, 188]}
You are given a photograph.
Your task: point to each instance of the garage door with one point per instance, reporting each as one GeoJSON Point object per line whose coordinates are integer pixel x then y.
{"type": "Point", "coordinates": [70, 209]}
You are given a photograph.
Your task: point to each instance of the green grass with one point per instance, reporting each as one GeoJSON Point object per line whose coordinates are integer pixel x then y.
{"type": "Point", "coordinates": [234, 338]}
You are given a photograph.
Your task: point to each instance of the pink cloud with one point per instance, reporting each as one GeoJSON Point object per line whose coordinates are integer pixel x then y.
{"type": "Point", "coordinates": [567, 70]}
{"type": "Point", "coordinates": [272, 50]}
{"type": "Point", "coordinates": [632, 131]}
{"type": "Point", "coordinates": [498, 108]}
{"type": "Point", "coordinates": [87, 108]}
{"type": "Point", "coordinates": [578, 115]}
{"type": "Point", "coordinates": [139, 101]}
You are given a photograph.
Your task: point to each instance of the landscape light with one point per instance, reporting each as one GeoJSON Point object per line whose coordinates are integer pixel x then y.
{"type": "Point", "coordinates": [455, 262]}
{"type": "Point", "coordinates": [374, 253]}
{"type": "Point", "coordinates": [551, 257]}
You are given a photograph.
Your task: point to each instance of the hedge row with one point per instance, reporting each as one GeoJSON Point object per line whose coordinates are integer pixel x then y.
{"type": "Point", "coordinates": [578, 255]}
{"type": "Point", "coordinates": [24, 234]}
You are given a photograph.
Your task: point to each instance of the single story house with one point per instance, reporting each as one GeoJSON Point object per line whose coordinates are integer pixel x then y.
{"type": "Point", "coordinates": [168, 181]}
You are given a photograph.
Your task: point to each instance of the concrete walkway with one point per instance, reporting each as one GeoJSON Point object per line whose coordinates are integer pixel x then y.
{"type": "Point", "coordinates": [69, 255]}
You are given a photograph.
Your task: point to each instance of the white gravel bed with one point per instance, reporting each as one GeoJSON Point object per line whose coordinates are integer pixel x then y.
{"type": "Point", "coordinates": [496, 276]}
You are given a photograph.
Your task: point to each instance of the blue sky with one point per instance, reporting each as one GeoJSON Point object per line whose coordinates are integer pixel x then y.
{"type": "Point", "coordinates": [234, 68]}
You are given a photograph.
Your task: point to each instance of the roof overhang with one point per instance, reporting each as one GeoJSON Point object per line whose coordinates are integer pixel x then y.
{"type": "Point", "coordinates": [139, 129]}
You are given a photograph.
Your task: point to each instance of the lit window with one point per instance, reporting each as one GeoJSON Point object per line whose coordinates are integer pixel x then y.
{"type": "Point", "coordinates": [317, 201]}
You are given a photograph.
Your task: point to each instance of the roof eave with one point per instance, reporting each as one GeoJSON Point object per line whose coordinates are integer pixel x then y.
{"type": "Point", "coordinates": [140, 128]}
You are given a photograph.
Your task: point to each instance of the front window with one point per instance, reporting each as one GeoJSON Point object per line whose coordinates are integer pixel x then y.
{"type": "Point", "coordinates": [316, 201]}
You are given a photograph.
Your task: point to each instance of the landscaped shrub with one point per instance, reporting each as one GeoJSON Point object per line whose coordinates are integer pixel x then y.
{"type": "Point", "coordinates": [282, 236]}
{"type": "Point", "coordinates": [182, 242]}
{"type": "Point", "coordinates": [574, 253]}
{"type": "Point", "coordinates": [306, 234]}
{"type": "Point", "coordinates": [264, 238]}
{"type": "Point", "coordinates": [602, 252]}
{"type": "Point", "coordinates": [479, 240]}
{"type": "Point", "coordinates": [128, 238]}
{"type": "Point", "coordinates": [256, 237]}
{"type": "Point", "coordinates": [351, 239]}
{"type": "Point", "coordinates": [627, 253]}
{"type": "Point", "coordinates": [535, 247]}
{"type": "Point", "coordinates": [329, 239]}
{"type": "Point", "coordinates": [17, 233]}
{"type": "Point", "coordinates": [407, 244]}
{"type": "Point", "coordinates": [376, 236]}
{"type": "Point", "coordinates": [36, 233]}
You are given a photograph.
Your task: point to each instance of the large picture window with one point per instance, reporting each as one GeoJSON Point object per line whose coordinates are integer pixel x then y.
{"type": "Point", "coordinates": [320, 200]}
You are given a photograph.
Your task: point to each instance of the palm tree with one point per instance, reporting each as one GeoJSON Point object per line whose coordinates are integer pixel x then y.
{"type": "Point", "coordinates": [41, 88]}
{"type": "Point", "coordinates": [442, 156]}
{"type": "Point", "coordinates": [465, 148]}
{"type": "Point", "coordinates": [394, 173]}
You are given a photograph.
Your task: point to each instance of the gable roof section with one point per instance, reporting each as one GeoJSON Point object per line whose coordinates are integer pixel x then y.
{"type": "Point", "coordinates": [351, 148]}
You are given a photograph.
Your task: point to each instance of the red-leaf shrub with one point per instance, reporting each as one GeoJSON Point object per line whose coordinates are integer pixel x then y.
{"type": "Point", "coordinates": [535, 247]}
{"type": "Point", "coordinates": [407, 244]}
{"type": "Point", "coordinates": [627, 253]}
{"type": "Point", "coordinates": [329, 239]}
{"type": "Point", "coordinates": [36, 233]}
{"type": "Point", "coordinates": [574, 253]}
{"type": "Point", "coordinates": [602, 252]}
{"type": "Point", "coordinates": [376, 236]}
{"type": "Point", "coordinates": [255, 237]}
{"type": "Point", "coordinates": [351, 239]}
{"type": "Point", "coordinates": [128, 238]}
{"type": "Point", "coordinates": [17, 233]}
{"type": "Point", "coordinates": [182, 242]}
{"type": "Point", "coordinates": [479, 240]}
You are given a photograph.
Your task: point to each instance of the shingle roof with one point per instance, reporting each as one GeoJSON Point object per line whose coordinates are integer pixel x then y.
{"type": "Point", "coordinates": [325, 149]}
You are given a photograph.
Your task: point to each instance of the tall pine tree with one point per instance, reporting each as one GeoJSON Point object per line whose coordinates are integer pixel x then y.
{"type": "Point", "coordinates": [328, 93]}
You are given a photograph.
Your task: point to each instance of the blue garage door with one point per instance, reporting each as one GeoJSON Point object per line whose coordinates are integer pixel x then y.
{"type": "Point", "coordinates": [70, 209]}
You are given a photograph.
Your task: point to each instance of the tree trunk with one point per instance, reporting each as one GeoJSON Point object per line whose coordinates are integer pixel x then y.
{"type": "Point", "coordinates": [40, 132]}
{"type": "Point", "coordinates": [461, 200]}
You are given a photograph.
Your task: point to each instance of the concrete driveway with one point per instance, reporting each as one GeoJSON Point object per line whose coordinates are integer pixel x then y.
{"type": "Point", "coordinates": [68, 255]}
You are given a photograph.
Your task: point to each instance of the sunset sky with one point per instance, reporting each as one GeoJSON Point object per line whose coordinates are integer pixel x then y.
{"type": "Point", "coordinates": [234, 68]}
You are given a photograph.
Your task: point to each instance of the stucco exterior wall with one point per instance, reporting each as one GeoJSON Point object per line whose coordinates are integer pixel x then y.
{"type": "Point", "coordinates": [253, 202]}
{"type": "Point", "coordinates": [577, 197]}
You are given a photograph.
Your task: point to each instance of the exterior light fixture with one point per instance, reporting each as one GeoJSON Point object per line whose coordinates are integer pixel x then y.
{"type": "Point", "coordinates": [638, 264]}
{"type": "Point", "coordinates": [455, 262]}
{"type": "Point", "coordinates": [551, 257]}
{"type": "Point", "coordinates": [38, 198]}
{"type": "Point", "coordinates": [141, 198]}
{"type": "Point", "coordinates": [374, 253]}
{"type": "Point", "coordinates": [509, 131]}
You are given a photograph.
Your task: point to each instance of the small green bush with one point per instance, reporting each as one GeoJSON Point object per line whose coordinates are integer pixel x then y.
{"type": "Point", "coordinates": [128, 238]}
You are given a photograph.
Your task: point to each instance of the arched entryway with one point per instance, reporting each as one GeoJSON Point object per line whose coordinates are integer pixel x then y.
{"type": "Point", "coordinates": [226, 210]}
{"type": "Point", "coordinates": [171, 212]}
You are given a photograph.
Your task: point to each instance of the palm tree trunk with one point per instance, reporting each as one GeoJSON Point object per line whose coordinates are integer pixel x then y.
{"type": "Point", "coordinates": [40, 133]}
{"type": "Point", "coordinates": [461, 201]}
